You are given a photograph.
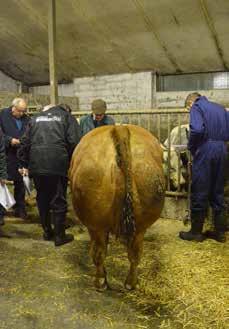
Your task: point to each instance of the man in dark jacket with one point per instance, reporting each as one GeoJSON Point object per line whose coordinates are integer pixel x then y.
{"type": "Point", "coordinates": [46, 150]}
{"type": "Point", "coordinates": [98, 118]}
{"type": "Point", "coordinates": [3, 172]}
{"type": "Point", "coordinates": [13, 122]}
{"type": "Point", "coordinates": [209, 132]}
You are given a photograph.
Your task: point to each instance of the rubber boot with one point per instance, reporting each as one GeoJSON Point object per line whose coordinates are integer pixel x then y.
{"type": "Point", "coordinates": [20, 213]}
{"type": "Point", "coordinates": [48, 234]}
{"type": "Point", "coordinates": [195, 234]}
{"type": "Point", "coordinates": [60, 236]}
{"type": "Point", "coordinates": [220, 228]}
{"type": "Point", "coordinates": [2, 221]}
{"type": "Point", "coordinates": [227, 221]}
{"type": "Point", "coordinates": [2, 214]}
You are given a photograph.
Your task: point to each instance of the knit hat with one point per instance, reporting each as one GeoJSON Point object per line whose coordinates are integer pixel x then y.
{"type": "Point", "coordinates": [98, 106]}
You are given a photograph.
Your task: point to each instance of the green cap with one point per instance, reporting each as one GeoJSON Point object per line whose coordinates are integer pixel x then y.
{"type": "Point", "coordinates": [98, 106]}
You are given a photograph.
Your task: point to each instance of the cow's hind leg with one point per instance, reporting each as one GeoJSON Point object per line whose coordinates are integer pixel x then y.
{"type": "Point", "coordinates": [99, 242]}
{"type": "Point", "coordinates": [134, 249]}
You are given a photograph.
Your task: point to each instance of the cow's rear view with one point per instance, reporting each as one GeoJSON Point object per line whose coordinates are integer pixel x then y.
{"type": "Point", "coordinates": [118, 187]}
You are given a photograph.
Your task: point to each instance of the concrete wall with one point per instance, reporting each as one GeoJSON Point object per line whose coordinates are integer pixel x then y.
{"type": "Point", "coordinates": [176, 99]}
{"type": "Point", "coordinates": [63, 90]}
{"type": "Point", "coordinates": [120, 91]}
{"type": "Point", "coordinates": [128, 91]}
{"type": "Point", "coordinates": [7, 83]}
{"type": "Point", "coordinates": [35, 100]}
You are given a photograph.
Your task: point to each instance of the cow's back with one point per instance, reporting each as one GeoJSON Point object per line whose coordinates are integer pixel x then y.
{"type": "Point", "coordinates": [113, 164]}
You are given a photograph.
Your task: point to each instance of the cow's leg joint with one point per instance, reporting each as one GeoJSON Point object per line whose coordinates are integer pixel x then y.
{"type": "Point", "coordinates": [134, 254]}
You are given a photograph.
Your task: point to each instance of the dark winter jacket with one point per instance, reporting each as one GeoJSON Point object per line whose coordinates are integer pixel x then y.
{"type": "Point", "coordinates": [48, 143]}
{"type": "Point", "coordinates": [3, 171]}
{"type": "Point", "coordinates": [87, 123]}
{"type": "Point", "coordinates": [10, 130]}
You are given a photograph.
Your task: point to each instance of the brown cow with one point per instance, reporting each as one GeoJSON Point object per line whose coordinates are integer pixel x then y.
{"type": "Point", "coordinates": [118, 186]}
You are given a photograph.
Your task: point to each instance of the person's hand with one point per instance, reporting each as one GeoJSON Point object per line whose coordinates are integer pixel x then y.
{"type": "Point", "coordinates": [15, 141]}
{"type": "Point", "coordinates": [23, 171]}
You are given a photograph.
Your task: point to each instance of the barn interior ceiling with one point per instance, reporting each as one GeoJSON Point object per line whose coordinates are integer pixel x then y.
{"type": "Point", "coordinates": [97, 37]}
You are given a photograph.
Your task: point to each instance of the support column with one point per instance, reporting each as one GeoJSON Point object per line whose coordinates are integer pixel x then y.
{"type": "Point", "coordinates": [52, 52]}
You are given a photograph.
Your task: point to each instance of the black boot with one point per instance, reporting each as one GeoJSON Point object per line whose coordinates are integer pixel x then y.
{"type": "Point", "coordinates": [220, 227]}
{"type": "Point", "coordinates": [195, 234]}
{"type": "Point", "coordinates": [60, 236]}
{"type": "Point", "coordinates": [48, 234]}
{"type": "Point", "coordinates": [2, 214]}
{"type": "Point", "coordinates": [2, 222]}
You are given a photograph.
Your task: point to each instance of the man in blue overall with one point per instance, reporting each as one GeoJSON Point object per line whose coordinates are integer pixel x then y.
{"type": "Point", "coordinates": [209, 132]}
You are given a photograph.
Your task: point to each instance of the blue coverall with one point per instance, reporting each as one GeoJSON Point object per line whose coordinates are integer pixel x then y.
{"type": "Point", "coordinates": [209, 130]}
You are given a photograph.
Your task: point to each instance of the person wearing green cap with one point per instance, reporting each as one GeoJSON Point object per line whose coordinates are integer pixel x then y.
{"type": "Point", "coordinates": [97, 118]}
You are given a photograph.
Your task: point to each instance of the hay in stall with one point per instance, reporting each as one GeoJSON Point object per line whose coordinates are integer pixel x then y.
{"type": "Point", "coordinates": [181, 284]}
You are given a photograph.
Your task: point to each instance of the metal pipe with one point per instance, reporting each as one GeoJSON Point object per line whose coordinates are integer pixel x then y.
{"type": "Point", "coordinates": [169, 152]}
{"type": "Point", "coordinates": [159, 127]}
{"type": "Point", "coordinates": [176, 194]}
{"type": "Point", "coordinates": [139, 120]}
{"type": "Point", "coordinates": [179, 158]}
{"type": "Point", "coordinates": [52, 52]}
{"type": "Point", "coordinates": [121, 112]}
{"type": "Point", "coordinates": [148, 123]}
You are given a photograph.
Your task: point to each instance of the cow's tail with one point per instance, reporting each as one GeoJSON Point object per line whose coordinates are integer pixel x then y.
{"type": "Point", "coordinates": [121, 140]}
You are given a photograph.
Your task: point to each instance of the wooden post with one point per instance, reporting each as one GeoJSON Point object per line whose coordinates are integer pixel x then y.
{"type": "Point", "coordinates": [52, 52]}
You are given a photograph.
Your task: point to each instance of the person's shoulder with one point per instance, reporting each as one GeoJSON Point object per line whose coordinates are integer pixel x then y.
{"type": "Point", "coordinates": [5, 110]}
{"type": "Point", "coordinates": [26, 117]}
{"type": "Point", "coordinates": [219, 106]}
{"type": "Point", "coordinates": [109, 119]}
{"type": "Point", "coordinates": [206, 103]}
{"type": "Point", "coordinates": [85, 118]}
{"type": "Point", "coordinates": [36, 115]}
{"type": "Point", "coordinates": [213, 106]}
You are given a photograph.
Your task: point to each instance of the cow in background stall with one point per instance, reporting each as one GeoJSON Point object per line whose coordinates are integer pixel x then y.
{"type": "Point", "coordinates": [174, 161]}
{"type": "Point", "coordinates": [177, 144]}
{"type": "Point", "coordinates": [118, 187]}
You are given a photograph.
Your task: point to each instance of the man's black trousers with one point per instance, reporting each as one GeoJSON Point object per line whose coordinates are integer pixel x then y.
{"type": "Point", "coordinates": [50, 194]}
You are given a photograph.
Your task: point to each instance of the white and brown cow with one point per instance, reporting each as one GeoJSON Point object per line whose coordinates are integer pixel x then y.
{"type": "Point", "coordinates": [177, 144]}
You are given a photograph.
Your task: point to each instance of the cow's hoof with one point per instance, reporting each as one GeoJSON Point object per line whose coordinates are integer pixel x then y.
{"type": "Point", "coordinates": [101, 284]}
{"type": "Point", "coordinates": [131, 285]}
